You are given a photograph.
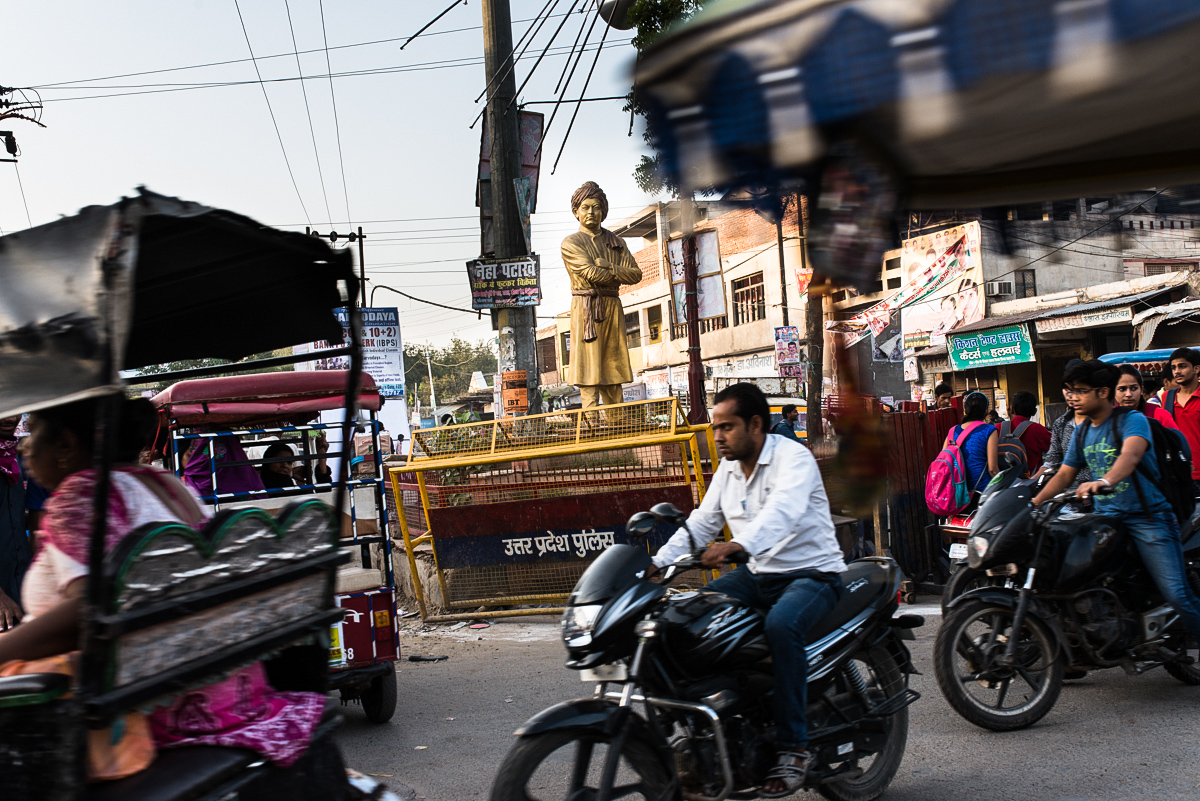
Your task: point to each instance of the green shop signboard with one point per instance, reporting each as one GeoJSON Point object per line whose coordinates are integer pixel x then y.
{"type": "Point", "coordinates": [1007, 345]}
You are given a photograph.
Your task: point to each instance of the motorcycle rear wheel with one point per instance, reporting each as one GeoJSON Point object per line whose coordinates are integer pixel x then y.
{"type": "Point", "coordinates": [972, 636]}
{"type": "Point", "coordinates": [534, 771]}
{"type": "Point", "coordinates": [884, 675]}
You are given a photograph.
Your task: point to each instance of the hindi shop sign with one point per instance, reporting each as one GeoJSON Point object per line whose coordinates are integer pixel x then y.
{"type": "Point", "coordinates": [505, 283]}
{"type": "Point", "coordinates": [999, 346]}
{"type": "Point", "coordinates": [1091, 319]}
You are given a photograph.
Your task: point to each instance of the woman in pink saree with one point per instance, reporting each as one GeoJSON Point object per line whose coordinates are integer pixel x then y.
{"type": "Point", "coordinates": [242, 710]}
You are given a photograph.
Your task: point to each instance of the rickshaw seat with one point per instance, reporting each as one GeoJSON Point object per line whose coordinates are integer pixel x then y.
{"type": "Point", "coordinates": [32, 688]}
{"type": "Point", "coordinates": [178, 773]}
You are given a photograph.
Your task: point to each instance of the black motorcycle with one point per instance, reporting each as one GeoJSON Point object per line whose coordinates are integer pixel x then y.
{"type": "Point", "coordinates": [1077, 593]}
{"type": "Point", "coordinates": [698, 667]}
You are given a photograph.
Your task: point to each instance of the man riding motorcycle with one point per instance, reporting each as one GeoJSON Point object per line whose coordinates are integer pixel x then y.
{"type": "Point", "coordinates": [769, 491]}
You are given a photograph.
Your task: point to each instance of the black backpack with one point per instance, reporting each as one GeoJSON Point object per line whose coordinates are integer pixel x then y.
{"type": "Point", "coordinates": [1174, 461]}
{"type": "Point", "coordinates": [1010, 443]}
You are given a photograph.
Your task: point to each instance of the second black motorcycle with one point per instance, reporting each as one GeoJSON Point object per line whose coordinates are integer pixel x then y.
{"type": "Point", "coordinates": [1075, 598]}
{"type": "Point", "coordinates": [683, 701]}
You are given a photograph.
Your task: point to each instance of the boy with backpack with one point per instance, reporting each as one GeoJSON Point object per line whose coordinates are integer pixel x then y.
{"type": "Point", "coordinates": [1181, 402]}
{"type": "Point", "coordinates": [1119, 447]}
{"type": "Point", "coordinates": [1023, 438]}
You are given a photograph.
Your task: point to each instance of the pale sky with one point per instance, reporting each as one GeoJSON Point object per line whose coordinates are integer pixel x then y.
{"type": "Point", "coordinates": [410, 156]}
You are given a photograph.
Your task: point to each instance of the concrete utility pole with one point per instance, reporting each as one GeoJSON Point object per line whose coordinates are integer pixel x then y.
{"type": "Point", "coordinates": [518, 337]}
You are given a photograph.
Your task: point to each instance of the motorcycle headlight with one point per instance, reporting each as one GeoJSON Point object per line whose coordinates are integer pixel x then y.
{"type": "Point", "coordinates": [978, 547]}
{"type": "Point", "coordinates": [577, 623]}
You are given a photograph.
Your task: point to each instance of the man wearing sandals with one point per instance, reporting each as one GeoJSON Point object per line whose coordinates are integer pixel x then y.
{"type": "Point", "coordinates": [769, 491]}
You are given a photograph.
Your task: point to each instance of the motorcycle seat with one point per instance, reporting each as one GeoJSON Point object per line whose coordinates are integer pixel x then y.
{"type": "Point", "coordinates": [866, 582]}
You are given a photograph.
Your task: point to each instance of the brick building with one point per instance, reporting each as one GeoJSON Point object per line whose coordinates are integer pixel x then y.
{"type": "Point", "coordinates": [742, 295]}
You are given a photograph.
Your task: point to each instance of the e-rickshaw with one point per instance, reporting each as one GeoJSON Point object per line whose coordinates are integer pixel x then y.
{"type": "Point", "coordinates": [267, 408]}
{"type": "Point", "coordinates": [90, 300]}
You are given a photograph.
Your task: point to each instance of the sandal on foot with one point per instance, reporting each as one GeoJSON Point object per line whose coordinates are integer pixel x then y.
{"type": "Point", "coordinates": [791, 768]}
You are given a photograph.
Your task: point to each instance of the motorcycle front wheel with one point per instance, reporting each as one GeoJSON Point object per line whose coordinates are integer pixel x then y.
{"type": "Point", "coordinates": [567, 766]}
{"type": "Point", "coordinates": [975, 683]}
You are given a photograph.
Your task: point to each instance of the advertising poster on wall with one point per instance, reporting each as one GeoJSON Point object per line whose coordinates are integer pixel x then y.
{"type": "Point", "coordinates": [959, 300]}
{"type": "Point", "coordinates": [710, 288]}
{"type": "Point", "coordinates": [787, 345]}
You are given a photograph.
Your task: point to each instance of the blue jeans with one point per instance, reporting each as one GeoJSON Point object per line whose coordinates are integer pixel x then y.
{"type": "Point", "coordinates": [794, 603]}
{"type": "Point", "coordinates": [1157, 538]}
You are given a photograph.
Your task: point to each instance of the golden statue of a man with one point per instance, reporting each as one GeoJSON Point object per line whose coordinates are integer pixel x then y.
{"type": "Point", "coordinates": [598, 262]}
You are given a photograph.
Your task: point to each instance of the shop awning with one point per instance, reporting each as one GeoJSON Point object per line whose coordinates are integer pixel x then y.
{"type": "Point", "coordinates": [1074, 310]}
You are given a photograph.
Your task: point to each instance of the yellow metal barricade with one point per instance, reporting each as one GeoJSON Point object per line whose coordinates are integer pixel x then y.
{"type": "Point", "coordinates": [514, 510]}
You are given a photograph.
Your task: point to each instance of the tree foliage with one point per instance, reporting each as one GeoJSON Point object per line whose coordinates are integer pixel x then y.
{"type": "Point", "coordinates": [653, 18]}
{"type": "Point", "coordinates": [452, 368]}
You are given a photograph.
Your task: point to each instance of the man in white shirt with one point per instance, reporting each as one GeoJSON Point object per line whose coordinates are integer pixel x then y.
{"type": "Point", "coordinates": [769, 491]}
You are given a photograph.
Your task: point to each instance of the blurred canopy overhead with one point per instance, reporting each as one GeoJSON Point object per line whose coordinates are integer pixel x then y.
{"type": "Point", "coordinates": [962, 102]}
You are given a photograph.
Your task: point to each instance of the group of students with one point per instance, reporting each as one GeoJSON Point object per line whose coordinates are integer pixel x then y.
{"type": "Point", "coordinates": [1104, 447]}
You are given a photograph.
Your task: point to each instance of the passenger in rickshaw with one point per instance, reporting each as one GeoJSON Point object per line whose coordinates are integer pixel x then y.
{"type": "Point", "coordinates": [240, 711]}
{"type": "Point", "coordinates": [15, 552]}
{"type": "Point", "coordinates": [197, 473]}
{"type": "Point", "coordinates": [280, 475]}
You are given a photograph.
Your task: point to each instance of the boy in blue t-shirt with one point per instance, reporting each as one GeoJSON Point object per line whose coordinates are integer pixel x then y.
{"type": "Point", "coordinates": [1130, 469]}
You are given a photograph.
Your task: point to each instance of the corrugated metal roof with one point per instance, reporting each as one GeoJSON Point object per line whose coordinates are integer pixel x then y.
{"type": "Point", "coordinates": [1075, 308]}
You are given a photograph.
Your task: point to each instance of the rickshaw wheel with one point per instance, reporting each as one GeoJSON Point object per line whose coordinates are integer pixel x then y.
{"type": "Point", "coordinates": [379, 698]}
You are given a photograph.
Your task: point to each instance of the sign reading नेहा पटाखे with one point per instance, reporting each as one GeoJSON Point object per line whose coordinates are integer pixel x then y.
{"type": "Point", "coordinates": [1007, 345]}
{"type": "Point", "coordinates": [1091, 319]}
{"type": "Point", "coordinates": [505, 283]}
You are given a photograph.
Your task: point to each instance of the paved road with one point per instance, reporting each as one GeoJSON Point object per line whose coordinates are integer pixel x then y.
{"type": "Point", "coordinates": [1111, 737]}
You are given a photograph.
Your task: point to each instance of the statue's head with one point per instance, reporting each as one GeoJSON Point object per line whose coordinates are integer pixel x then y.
{"type": "Point", "coordinates": [588, 201]}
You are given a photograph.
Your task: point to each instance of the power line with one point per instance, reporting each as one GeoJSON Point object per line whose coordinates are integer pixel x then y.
{"type": "Point", "coordinates": [583, 93]}
{"type": "Point", "coordinates": [261, 58]}
{"type": "Point", "coordinates": [430, 24]}
{"type": "Point", "coordinates": [336, 127]}
{"type": "Point", "coordinates": [28, 219]}
{"type": "Point", "coordinates": [263, 86]}
{"type": "Point", "coordinates": [578, 59]}
{"type": "Point", "coordinates": [307, 111]}
{"type": "Point", "coordinates": [153, 89]}
{"type": "Point", "coordinates": [439, 305]}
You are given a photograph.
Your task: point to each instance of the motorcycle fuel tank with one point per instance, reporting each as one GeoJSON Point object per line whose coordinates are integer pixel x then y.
{"type": "Point", "coordinates": [709, 632]}
{"type": "Point", "coordinates": [1090, 545]}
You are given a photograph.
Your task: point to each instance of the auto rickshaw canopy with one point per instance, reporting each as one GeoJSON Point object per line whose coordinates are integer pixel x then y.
{"type": "Point", "coordinates": [294, 397]}
{"type": "Point", "coordinates": [149, 280]}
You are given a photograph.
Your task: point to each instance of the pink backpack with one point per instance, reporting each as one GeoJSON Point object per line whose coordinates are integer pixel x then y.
{"type": "Point", "coordinates": [946, 490]}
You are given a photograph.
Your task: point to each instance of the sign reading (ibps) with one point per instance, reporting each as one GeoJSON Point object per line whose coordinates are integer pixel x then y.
{"type": "Point", "coordinates": [382, 349]}
{"type": "Point", "coordinates": [505, 283]}
{"type": "Point", "coordinates": [1007, 345]}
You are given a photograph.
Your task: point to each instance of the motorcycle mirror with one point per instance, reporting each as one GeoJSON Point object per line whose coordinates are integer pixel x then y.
{"type": "Point", "coordinates": [641, 524]}
{"type": "Point", "coordinates": [668, 513]}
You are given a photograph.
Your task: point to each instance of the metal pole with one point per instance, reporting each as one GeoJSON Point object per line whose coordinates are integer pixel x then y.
{"type": "Point", "coordinates": [362, 270]}
{"type": "Point", "coordinates": [783, 283]}
{"type": "Point", "coordinates": [814, 342]}
{"type": "Point", "coordinates": [517, 335]}
{"type": "Point", "coordinates": [697, 396]}
{"type": "Point", "coordinates": [432, 399]}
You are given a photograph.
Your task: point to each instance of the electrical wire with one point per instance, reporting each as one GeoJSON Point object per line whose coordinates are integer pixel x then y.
{"type": "Point", "coordinates": [539, 20]}
{"type": "Point", "coordinates": [583, 93]}
{"type": "Point", "coordinates": [582, 25]}
{"type": "Point", "coordinates": [25, 202]}
{"type": "Point", "coordinates": [153, 89]}
{"type": "Point", "coordinates": [260, 58]}
{"type": "Point", "coordinates": [442, 305]}
{"type": "Point", "coordinates": [307, 111]}
{"type": "Point", "coordinates": [545, 49]}
{"type": "Point", "coordinates": [578, 58]}
{"type": "Point", "coordinates": [336, 127]}
{"type": "Point", "coordinates": [430, 24]}
{"type": "Point", "coordinates": [270, 110]}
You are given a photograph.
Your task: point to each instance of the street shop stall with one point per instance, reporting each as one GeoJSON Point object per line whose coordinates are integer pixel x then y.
{"type": "Point", "coordinates": [210, 422]}
{"type": "Point", "coordinates": [170, 609]}
{"type": "Point", "coordinates": [513, 510]}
